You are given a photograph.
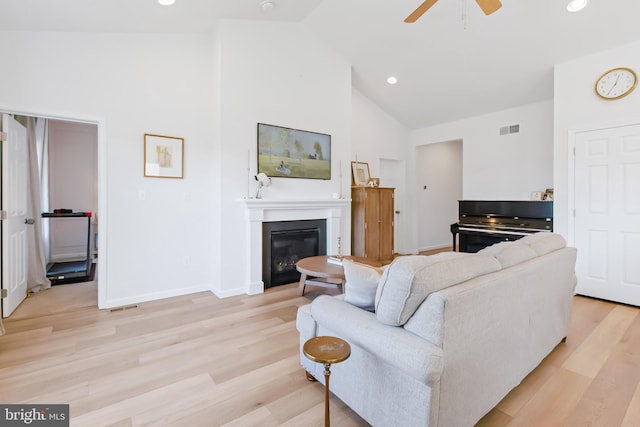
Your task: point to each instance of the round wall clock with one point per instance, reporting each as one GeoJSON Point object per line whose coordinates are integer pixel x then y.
{"type": "Point", "coordinates": [616, 83]}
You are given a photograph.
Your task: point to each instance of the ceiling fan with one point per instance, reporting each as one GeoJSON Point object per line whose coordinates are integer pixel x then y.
{"type": "Point", "coordinates": [487, 6]}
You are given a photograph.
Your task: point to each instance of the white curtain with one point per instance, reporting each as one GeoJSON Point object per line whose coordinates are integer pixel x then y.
{"type": "Point", "coordinates": [37, 269]}
{"type": "Point", "coordinates": [42, 145]}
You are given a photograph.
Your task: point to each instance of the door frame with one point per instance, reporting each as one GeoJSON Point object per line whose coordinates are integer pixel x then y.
{"type": "Point", "coordinates": [100, 122]}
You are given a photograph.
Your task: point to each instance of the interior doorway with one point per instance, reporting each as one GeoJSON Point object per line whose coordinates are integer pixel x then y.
{"type": "Point", "coordinates": [74, 185]}
{"type": "Point", "coordinates": [439, 173]}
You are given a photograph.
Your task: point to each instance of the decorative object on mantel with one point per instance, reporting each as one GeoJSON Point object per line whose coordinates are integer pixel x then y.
{"type": "Point", "coordinates": [263, 181]}
{"type": "Point", "coordinates": [292, 153]}
{"type": "Point", "coordinates": [163, 156]}
{"type": "Point", "coordinates": [374, 182]}
{"type": "Point", "coordinates": [360, 173]}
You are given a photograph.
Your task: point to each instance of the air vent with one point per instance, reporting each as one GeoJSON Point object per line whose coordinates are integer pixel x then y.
{"type": "Point", "coordinates": [506, 130]}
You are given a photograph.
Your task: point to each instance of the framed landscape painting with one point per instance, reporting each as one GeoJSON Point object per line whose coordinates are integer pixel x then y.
{"type": "Point", "coordinates": [293, 153]}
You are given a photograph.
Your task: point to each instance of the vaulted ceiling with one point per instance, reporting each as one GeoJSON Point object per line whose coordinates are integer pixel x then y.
{"type": "Point", "coordinates": [453, 63]}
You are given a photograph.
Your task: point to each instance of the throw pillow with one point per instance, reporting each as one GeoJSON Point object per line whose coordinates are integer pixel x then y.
{"type": "Point", "coordinates": [361, 284]}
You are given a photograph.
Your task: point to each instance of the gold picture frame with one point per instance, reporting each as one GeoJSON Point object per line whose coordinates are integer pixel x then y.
{"type": "Point", "coordinates": [360, 173]}
{"type": "Point", "coordinates": [163, 156]}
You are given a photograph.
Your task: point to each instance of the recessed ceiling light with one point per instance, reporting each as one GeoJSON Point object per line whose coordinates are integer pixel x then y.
{"type": "Point", "coordinates": [576, 5]}
{"type": "Point", "coordinates": [267, 5]}
{"type": "Point", "coordinates": [166, 2]}
{"type": "Point", "coordinates": [392, 80]}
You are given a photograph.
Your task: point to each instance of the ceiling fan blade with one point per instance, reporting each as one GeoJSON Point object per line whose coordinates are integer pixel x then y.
{"type": "Point", "coordinates": [489, 6]}
{"type": "Point", "coordinates": [420, 11]}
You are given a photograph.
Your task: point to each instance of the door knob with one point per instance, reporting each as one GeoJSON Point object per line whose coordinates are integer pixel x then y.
{"type": "Point", "coordinates": [29, 221]}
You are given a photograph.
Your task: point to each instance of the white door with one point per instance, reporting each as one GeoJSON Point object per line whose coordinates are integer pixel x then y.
{"type": "Point", "coordinates": [607, 213]}
{"type": "Point", "coordinates": [392, 174]}
{"type": "Point", "coordinates": [14, 207]}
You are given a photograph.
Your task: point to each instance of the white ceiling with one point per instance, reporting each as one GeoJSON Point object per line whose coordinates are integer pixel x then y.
{"type": "Point", "coordinates": [447, 70]}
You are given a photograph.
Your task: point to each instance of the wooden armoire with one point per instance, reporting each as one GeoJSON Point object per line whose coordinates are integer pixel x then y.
{"type": "Point", "coordinates": [372, 211]}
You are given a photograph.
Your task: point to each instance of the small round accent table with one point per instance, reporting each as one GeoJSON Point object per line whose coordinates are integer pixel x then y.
{"type": "Point", "coordinates": [326, 350]}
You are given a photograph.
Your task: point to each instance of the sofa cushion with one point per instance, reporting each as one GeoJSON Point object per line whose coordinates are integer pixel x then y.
{"type": "Point", "coordinates": [408, 280]}
{"type": "Point", "coordinates": [544, 242]}
{"type": "Point", "coordinates": [361, 284]}
{"type": "Point", "coordinates": [509, 253]}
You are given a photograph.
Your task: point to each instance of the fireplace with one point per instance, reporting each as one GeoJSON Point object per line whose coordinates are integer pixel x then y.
{"type": "Point", "coordinates": [286, 242]}
{"type": "Point", "coordinates": [260, 211]}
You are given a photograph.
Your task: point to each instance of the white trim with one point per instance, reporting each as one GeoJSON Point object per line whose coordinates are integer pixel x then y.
{"type": "Point", "coordinates": [119, 302]}
{"type": "Point", "coordinates": [269, 210]}
{"type": "Point", "coordinates": [571, 186]}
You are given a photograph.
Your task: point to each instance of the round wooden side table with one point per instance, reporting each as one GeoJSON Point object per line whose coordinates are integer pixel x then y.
{"type": "Point", "coordinates": [323, 272]}
{"type": "Point", "coordinates": [326, 350]}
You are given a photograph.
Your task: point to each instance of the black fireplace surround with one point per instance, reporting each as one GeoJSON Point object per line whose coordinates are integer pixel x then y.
{"type": "Point", "coordinates": [286, 242]}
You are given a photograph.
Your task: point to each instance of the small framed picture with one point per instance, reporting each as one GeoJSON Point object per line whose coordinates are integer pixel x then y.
{"type": "Point", "coordinates": [360, 173]}
{"type": "Point", "coordinates": [163, 156]}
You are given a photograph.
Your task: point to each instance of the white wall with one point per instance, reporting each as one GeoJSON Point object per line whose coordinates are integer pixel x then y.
{"type": "Point", "coordinates": [381, 141]}
{"type": "Point", "coordinates": [163, 237]}
{"type": "Point", "coordinates": [498, 167]}
{"type": "Point", "coordinates": [376, 135]}
{"type": "Point", "coordinates": [130, 85]}
{"type": "Point", "coordinates": [495, 167]}
{"type": "Point", "coordinates": [578, 108]}
{"type": "Point", "coordinates": [280, 74]}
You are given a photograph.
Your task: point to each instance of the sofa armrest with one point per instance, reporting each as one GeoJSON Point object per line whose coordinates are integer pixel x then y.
{"type": "Point", "coordinates": [394, 345]}
{"type": "Point", "coordinates": [305, 323]}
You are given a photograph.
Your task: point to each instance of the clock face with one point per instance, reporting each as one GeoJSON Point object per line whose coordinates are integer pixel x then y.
{"type": "Point", "coordinates": [616, 83]}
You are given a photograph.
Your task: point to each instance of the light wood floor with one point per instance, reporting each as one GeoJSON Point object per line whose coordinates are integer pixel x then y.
{"type": "Point", "coordinates": [200, 361]}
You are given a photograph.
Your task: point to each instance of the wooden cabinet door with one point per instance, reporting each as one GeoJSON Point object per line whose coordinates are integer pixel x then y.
{"type": "Point", "coordinates": [385, 221]}
{"type": "Point", "coordinates": [357, 221]}
{"type": "Point", "coordinates": [372, 217]}
{"type": "Point", "coordinates": [371, 224]}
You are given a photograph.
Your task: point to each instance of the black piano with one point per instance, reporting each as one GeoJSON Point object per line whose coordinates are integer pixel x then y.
{"type": "Point", "coordinates": [482, 223]}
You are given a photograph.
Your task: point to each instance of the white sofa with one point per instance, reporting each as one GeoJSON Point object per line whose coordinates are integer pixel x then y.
{"type": "Point", "coordinates": [451, 334]}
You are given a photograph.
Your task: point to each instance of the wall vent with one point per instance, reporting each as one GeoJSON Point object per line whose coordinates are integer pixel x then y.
{"type": "Point", "coordinates": [506, 130]}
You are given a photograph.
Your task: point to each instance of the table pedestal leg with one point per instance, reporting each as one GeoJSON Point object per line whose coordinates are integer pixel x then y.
{"type": "Point", "coordinates": [327, 372]}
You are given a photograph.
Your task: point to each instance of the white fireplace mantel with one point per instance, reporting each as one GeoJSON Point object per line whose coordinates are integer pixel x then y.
{"type": "Point", "coordinates": [258, 211]}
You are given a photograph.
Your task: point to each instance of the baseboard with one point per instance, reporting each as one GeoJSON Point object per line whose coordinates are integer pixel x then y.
{"type": "Point", "coordinates": [255, 288]}
{"type": "Point", "coordinates": [120, 302]}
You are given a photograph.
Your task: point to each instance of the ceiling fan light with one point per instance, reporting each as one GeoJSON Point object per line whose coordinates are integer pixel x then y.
{"type": "Point", "coordinates": [576, 5]}
{"type": "Point", "coordinates": [166, 2]}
